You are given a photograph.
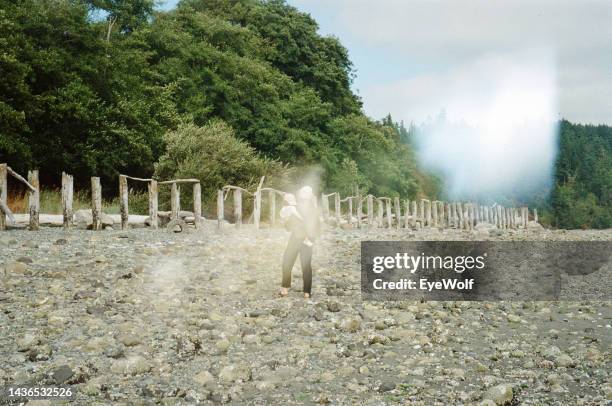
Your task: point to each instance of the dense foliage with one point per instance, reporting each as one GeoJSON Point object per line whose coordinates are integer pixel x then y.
{"type": "Point", "coordinates": [582, 195]}
{"type": "Point", "coordinates": [101, 86]}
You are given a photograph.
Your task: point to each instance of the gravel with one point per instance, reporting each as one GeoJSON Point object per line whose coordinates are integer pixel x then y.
{"type": "Point", "coordinates": [145, 317]}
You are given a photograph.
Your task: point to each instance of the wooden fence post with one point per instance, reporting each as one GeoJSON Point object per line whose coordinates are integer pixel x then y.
{"type": "Point", "coordinates": [359, 210]}
{"type": "Point", "coordinates": [3, 194]}
{"type": "Point", "coordinates": [197, 204]}
{"type": "Point", "coordinates": [272, 214]}
{"type": "Point", "coordinates": [96, 203]}
{"type": "Point", "coordinates": [34, 200]}
{"type": "Point", "coordinates": [175, 201]}
{"type": "Point", "coordinates": [153, 204]}
{"type": "Point", "coordinates": [381, 211]}
{"type": "Point", "coordinates": [370, 210]}
{"type": "Point", "coordinates": [413, 212]}
{"type": "Point", "coordinates": [406, 213]}
{"type": "Point", "coordinates": [337, 208]}
{"type": "Point", "coordinates": [220, 208]}
{"type": "Point", "coordinates": [398, 212]}
{"type": "Point", "coordinates": [434, 213]}
{"type": "Point", "coordinates": [67, 196]}
{"type": "Point", "coordinates": [123, 201]}
{"type": "Point", "coordinates": [447, 214]}
{"type": "Point", "coordinates": [257, 208]}
{"type": "Point", "coordinates": [471, 216]}
{"type": "Point", "coordinates": [535, 216]}
{"type": "Point", "coordinates": [325, 206]}
{"type": "Point", "coordinates": [460, 220]}
{"type": "Point", "coordinates": [237, 207]}
{"type": "Point", "coordinates": [349, 216]}
{"type": "Point", "coordinates": [389, 215]}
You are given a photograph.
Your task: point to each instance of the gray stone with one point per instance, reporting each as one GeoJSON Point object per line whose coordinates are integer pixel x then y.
{"type": "Point", "coordinates": [233, 373]}
{"type": "Point", "coordinates": [62, 374]}
{"type": "Point", "coordinates": [500, 394]}
{"type": "Point", "coordinates": [27, 342]}
{"type": "Point", "coordinates": [15, 267]}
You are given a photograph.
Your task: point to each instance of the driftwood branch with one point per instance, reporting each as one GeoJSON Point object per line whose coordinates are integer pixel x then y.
{"type": "Point", "coordinates": [138, 179]}
{"type": "Point", "coordinates": [269, 189]}
{"type": "Point", "coordinates": [4, 208]}
{"type": "Point", "coordinates": [168, 182]}
{"type": "Point", "coordinates": [20, 178]}
{"type": "Point", "coordinates": [227, 188]}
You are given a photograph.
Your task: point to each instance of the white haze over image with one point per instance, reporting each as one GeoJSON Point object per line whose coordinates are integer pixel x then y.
{"type": "Point", "coordinates": [497, 130]}
{"type": "Point", "coordinates": [507, 69]}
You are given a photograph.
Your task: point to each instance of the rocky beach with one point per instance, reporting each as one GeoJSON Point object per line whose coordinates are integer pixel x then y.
{"type": "Point", "coordinates": [142, 317]}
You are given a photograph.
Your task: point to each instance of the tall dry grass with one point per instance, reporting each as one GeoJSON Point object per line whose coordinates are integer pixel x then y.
{"type": "Point", "coordinates": [51, 202]}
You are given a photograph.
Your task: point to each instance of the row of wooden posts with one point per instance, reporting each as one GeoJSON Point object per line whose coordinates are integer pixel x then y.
{"type": "Point", "coordinates": [416, 214]}
{"type": "Point", "coordinates": [67, 194]}
{"type": "Point", "coordinates": [423, 213]}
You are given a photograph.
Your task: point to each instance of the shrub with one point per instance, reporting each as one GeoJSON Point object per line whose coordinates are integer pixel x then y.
{"type": "Point", "coordinates": [216, 157]}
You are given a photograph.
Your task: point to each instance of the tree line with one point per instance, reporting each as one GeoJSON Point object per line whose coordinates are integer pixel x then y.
{"type": "Point", "coordinates": [105, 87]}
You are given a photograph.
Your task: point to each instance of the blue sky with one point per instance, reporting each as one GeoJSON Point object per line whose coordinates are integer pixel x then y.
{"type": "Point", "coordinates": [415, 58]}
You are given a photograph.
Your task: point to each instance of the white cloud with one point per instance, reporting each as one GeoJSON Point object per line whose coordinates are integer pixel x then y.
{"type": "Point", "coordinates": [453, 36]}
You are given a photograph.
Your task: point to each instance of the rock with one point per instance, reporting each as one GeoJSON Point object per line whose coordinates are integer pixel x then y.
{"type": "Point", "coordinates": [564, 360]}
{"type": "Point", "coordinates": [233, 373]}
{"type": "Point", "coordinates": [333, 306]}
{"type": "Point", "coordinates": [129, 340]}
{"type": "Point", "coordinates": [41, 353]}
{"type": "Point", "coordinates": [84, 219]}
{"type": "Point", "coordinates": [25, 260]}
{"type": "Point", "coordinates": [223, 345]}
{"type": "Point", "coordinates": [377, 339]}
{"type": "Point", "coordinates": [133, 365]}
{"type": "Point", "coordinates": [551, 352]}
{"type": "Point", "coordinates": [15, 267]}
{"type": "Point", "coordinates": [114, 352]}
{"type": "Point", "coordinates": [386, 386]}
{"type": "Point", "coordinates": [61, 241]}
{"type": "Point", "coordinates": [512, 318]}
{"type": "Point", "coordinates": [30, 244]}
{"type": "Point", "coordinates": [27, 342]}
{"type": "Point", "coordinates": [62, 374]}
{"type": "Point", "coordinates": [350, 324]}
{"type": "Point", "coordinates": [500, 394]}
{"type": "Point", "coordinates": [458, 373]}
{"type": "Point", "coordinates": [204, 378]}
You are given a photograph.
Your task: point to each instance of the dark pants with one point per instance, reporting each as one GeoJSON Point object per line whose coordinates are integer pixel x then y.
{"type": "Point", "coordinates": [295, 246]}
